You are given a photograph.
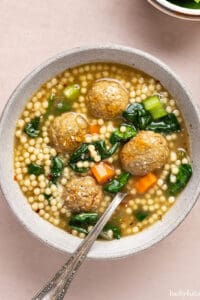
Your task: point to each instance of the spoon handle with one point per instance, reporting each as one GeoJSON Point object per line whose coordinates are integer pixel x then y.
{"type": "Point", "coordinates": [57, 287]}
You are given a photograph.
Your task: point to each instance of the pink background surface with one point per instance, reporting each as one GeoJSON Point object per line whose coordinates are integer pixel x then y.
{"type": "Point", "coordinates": [30, 32]}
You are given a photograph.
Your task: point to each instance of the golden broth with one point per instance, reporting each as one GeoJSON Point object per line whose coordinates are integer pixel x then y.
{"type": "Point", "coordinates": [137, 211]}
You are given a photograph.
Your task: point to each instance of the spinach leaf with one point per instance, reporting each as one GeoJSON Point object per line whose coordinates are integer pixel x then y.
{"type": "Point", "coordinates": [119, 136]}
{"type": "Point", "coordinates": [117, 184]}
{"type": "Point", "coordinates": [182, 178]}
{"type": "Point", "coordinates": [79, 229]}
{"type": "Point", "coordinates": [56, 169]}
{"type": "Point", "coordinates": [57, 105]}
{"type": "Point", "coordinates": [84, 219]}
{"type": "Point", "coordinates": [32, 128]}
{"type": "Point", "coordinates": [166, 124]}
{"type": "Point", "coordinates": [50, 104]}
{"type": "Point", "coordinates": [61, 106]}
{"type": "Point", "coordinates": [136, 114]}
{"type": "Point", "coordinates": [48, 197]}
{"type": "Point", "coordinates": [82, 154]}
{"type": "Point", "coordinates": [141, 215]}
{"type": "Point", "coordinates": [35, 169]}
{"type": "Point", "coordinates": [116, 232]}
{"type": "Point", "coordinates": [181, 153]}
{"type": "Point", "coordinates": [74, 167]}
{"type": "Point", "coordinates": [101, 148]}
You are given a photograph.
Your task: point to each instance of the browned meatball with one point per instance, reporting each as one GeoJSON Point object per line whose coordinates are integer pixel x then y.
{"type": "Point", "coordinates": [67, 131]}
{"type": "Point", "coordinates": [107, 99]}
{"type": "Point", "coordinates": [82, 194]}
{"type": "Point", "coordinates": [144, 153]}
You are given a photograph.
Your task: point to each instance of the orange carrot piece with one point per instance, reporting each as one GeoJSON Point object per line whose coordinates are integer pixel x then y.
{"type": "Point", "coordinates": [94, 128]}
{"type": "Point", "coordinates": [102, 172]}
{"type": "Point", "coordinates": [144, 183]}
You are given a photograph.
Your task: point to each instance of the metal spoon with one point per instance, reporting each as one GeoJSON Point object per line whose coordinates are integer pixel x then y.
{"type": "Point", "coordinates": [57, 287]}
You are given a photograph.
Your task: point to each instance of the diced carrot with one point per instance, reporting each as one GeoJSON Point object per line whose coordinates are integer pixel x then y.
{"type": "Point", "coordinates": [103, 172]}
{"type": "Point", "coordinates": [145, 182]}
{"type": "Point", "coordinates": [94, 128]}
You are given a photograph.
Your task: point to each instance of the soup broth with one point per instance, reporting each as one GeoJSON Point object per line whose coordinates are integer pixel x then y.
{"type": "Point", "coordinates": [71, 188]}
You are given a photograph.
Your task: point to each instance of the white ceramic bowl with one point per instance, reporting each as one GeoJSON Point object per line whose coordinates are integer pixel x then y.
{"type": "Point", "coordinates": [18, 203]}
{"type": "Point", "coordinates": [175, 10]}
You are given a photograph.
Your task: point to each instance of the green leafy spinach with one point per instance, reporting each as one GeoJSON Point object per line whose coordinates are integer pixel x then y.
{"type": "Point", "coordinates": [182, 178]}
{"type": "Point", "coordinates": [32, 128]}
{"type": "Point", "coordinates": [117, 184]}
{"type": "Point", "coordinates": [56, 169]}
{"type": "Point", "coordinates": [119, 136]}
{"type": "Point", "coordinates": [35, 169]}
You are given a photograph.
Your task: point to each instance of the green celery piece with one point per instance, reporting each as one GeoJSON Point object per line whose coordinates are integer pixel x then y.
{"type": "Point", "coordinates": [72, 92]}
{"type": "Point", "coordinates": [155, 107]}
{"type": "Point", "coordinates": [158, 113]}
{"type": "Point", "coordinates": [151, 102]}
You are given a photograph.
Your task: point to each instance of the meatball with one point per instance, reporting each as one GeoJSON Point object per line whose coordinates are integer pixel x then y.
{"type": "Point", "coordinates": [67, 131]}
{"type": "Point", "coordinates": [107, 99]}
{"type": "Point", "coordinates": [144, 153]}
{"type": "Point", "coordinates": [82, 194]}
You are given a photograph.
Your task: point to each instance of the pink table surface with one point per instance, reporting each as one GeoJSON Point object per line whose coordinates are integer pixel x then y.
{"type": "Point", "coordinates": [30, 32]}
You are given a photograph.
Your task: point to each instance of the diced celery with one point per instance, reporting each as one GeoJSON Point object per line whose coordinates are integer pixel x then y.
{"type": "Point", "coordinates": [72, 92]}
{"type": "Point", "coordinates": [151, 102]}
{"type": "Point", "coordinates": [155, 107]}
{"type": "Point", "coordinates": [158, 113]}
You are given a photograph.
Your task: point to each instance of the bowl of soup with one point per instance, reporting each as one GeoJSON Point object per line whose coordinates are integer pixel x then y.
{"type": "Point", "coordinates": [91, 122]}
{"type": "Point", "coordinates": [183, 9]}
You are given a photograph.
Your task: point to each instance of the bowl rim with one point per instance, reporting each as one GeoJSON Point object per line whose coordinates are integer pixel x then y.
{"type": "Point", "coordinates": [179, 9]}
{"type": "Point", "coordinates": [176, 10]}
{"type": "Point", "coordinates": [81, 50]}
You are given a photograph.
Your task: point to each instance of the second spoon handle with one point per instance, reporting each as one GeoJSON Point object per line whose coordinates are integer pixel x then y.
{"type": "Point", "coordinates": [57, 287]}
